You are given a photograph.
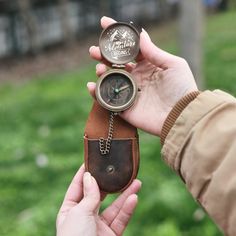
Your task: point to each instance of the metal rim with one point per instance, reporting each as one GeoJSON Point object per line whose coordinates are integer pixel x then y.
{"type": "Point", "coordinates": [114, 25]}
{"type": "Point", "coordinates": [118, 108]}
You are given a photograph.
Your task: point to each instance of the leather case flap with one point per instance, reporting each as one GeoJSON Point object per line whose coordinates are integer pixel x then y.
{"type": "Point", "coordinates": [116, 170]}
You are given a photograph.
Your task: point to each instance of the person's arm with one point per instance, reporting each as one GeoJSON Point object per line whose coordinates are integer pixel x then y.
{"type": "Point", "coordinates": [201, 148]}
{"type": "Point", "coordinates": [200, 140]}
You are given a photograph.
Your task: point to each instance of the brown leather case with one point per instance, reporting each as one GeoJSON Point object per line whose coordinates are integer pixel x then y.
{"type": "Point", "coordinates": [115, 171]}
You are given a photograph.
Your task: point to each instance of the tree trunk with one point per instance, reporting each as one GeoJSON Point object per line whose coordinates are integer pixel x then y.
{"type": "Point", "coordinates": [29, 21]}
{"type": "Point", "coordinates": [191, 36]}
{"type": "Point", "coordinates": [68, 35]}
{"type": "Point", "coordinates": [164, 9]}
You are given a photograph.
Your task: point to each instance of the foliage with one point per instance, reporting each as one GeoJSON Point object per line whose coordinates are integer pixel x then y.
{"type": "Point", "coordinates": [41, 142]}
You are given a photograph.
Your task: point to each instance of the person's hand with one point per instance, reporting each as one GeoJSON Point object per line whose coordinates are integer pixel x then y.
{"type": "Point", "coordinates": [79, 213]}
{"type": "Point", "coordinates": [162, 77]}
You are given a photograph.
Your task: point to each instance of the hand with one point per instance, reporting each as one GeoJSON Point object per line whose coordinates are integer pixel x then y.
{"type": "Point", "coordinates": [79, 215]}
{"type": "Point", "coordinates": [162, 77]}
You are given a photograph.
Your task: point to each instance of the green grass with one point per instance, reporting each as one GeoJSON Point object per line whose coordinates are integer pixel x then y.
{"type": "Point", "coordinates": [220, 52]}
{"type": "Point", "coordinates": [44, 119]}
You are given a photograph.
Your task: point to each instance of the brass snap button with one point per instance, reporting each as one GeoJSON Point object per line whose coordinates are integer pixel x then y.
{"type": "Point", "coordinates": [110, 169]}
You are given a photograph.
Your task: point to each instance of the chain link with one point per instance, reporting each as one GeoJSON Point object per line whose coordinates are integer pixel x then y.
{"type": "Point", "coordinates": [105, 145]}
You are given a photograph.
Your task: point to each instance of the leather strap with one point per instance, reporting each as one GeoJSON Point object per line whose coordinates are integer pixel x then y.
{"type": "Point", "coordinates": [98, 123]}
{"type": "Point", "coordinates": [116, 170]}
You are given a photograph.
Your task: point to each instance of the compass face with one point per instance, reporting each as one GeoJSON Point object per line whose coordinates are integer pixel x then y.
{"type": "Point", "coordinates": [116, 91]}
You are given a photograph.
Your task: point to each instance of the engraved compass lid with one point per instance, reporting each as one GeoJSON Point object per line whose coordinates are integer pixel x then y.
{"type": "Point", "coordinates": [119, 43]}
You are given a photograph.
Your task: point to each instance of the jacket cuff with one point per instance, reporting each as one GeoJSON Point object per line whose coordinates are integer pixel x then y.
{"type": "Point", "coordinates": [175, 112]}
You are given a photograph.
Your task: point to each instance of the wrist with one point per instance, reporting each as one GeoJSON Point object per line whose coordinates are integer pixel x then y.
{"type": "Point", "coordinates": [175, 113]}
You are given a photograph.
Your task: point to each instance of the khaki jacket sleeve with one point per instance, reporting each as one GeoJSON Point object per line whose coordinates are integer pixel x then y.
{"type": "Point", "coordinates": [201, 148]}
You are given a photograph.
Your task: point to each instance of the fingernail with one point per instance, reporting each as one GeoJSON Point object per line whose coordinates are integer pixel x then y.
{"type": "Point", "coordinates": [91, 85]}
{"type": "Point", "coordinates": [91, 48]}
{"type": "Point", "coordinates": [106, 17]}
{"type": "Point", "coordinates": [144, 30]}
{"type": "Point", "coordinates": [103, 17]}
{"type": "Point", "coordinates": [87, 179]}
{"type": "Point", "coordinates": [145, 33]}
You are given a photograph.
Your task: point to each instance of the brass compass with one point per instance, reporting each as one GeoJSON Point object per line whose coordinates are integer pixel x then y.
{"type": "Point", "coordinates": [111, 144]}
{"type": "Point", "coordinates": [116, 90]}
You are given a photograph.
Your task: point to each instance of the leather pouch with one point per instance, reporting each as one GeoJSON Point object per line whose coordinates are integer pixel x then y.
{"type": "Point", "coordinates": [116, 170]}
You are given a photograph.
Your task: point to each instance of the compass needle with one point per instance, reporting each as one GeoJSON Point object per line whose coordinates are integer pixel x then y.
{"type": "Point", "coordinates": [116, 90]}
{"type": "Point", "coordinates": [124, 87]}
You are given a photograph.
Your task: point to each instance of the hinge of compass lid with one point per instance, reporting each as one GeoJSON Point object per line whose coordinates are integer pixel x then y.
{"type": "Point", "coordinates": [118, 66]}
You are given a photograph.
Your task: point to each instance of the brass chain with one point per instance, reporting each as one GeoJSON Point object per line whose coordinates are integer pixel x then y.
{"type": "Point", "coordinates": [105, 145]}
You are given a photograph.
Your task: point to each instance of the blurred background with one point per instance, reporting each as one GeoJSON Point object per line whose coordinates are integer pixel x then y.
{"type": "Point", "coordinates": [44, 104]}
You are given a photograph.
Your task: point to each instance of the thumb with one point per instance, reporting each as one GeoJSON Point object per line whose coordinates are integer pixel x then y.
{"type": "Point", "coordinates": [91, 88]}
{"type": "Point", "coordinates": [153, 54]}
{"type": "Point", "coordinates": [91, 199]}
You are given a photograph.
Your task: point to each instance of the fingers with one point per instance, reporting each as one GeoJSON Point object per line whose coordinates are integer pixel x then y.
{"type": "Point", "coordinates": [91, 88]}
{"type": "Point", "coordinates": [106, 21]}
{"type": "Point", "coordinates": [94, 51]}
{"type": "Point", "coordinates": [73, 195]}
{"type": "Point", "coordinates": [120, 222]}
{"type": "Point", "coordinates": [113, 210]}
{"type": "Point", "coordinates": [149, 51]}
{"type": "Point", "coordinates": [75, 191]}
{"type": "Point", "coordinates": [100, 69]}
{"type": "Point", "coordinates": [155, 55]}
{"type": "Point", "coordinates": [91, 200]}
